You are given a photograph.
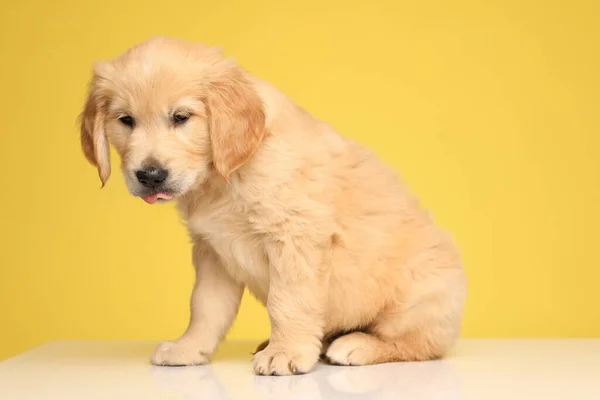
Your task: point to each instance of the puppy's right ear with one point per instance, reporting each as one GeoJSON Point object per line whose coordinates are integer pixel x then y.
{"type": "Point", "coordinates": [93, 139]}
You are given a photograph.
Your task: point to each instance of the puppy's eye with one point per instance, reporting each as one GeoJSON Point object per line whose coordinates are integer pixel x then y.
{"type": "Point", "coordinates": [180, 118]}
{"type": "Point", "coordinates": [127, 120]}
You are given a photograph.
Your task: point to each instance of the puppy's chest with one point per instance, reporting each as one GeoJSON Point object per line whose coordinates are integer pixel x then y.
{"type": "Point", "coordinates": [237, 243]}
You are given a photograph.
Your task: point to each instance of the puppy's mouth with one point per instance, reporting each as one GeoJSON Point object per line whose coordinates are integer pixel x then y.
{"type": "Point", "coordinates": [157, 197]}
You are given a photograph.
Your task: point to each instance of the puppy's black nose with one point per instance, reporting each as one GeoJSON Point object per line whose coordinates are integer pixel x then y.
{"type": "Point", "coordinates": [152, 177]}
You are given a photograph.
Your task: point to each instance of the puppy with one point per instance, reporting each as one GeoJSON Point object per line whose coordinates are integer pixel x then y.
{"type": "Point", "coordinates": [313, 224]}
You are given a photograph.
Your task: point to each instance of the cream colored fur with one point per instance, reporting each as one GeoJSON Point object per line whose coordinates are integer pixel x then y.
{"type": "Point", "coordinates": [313, 224]}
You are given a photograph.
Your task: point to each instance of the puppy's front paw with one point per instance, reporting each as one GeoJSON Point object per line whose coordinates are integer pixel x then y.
{"type": "Point", "coordinates": [178, 354]}
{"type": "Point", "coordinates": [272, 361]}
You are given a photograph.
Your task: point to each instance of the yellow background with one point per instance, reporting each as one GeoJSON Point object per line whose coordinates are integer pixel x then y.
{"type": "Point", "coordinates": [489, 109]}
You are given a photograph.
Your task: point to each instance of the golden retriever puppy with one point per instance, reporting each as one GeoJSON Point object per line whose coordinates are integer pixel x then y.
{"type": "Point", "coordinates": [313, 224]}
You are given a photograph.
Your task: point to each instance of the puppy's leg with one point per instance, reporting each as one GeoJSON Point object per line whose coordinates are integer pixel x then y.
{"type": "Point", "coordinates": [295, 307]}
{"type": "Point", "coordinates": [424, 332]}
{"type": "Point", "coordinates": [324, 345]}
{"type": "Point", "coordinates": [214, 304]}
{"type": "Point", "coordinates": [359, 348]}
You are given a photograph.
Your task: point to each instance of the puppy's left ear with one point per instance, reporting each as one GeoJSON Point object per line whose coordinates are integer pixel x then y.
{"type": "Point", "coordinates": [93, 139]}
{"type": "Point", "coordinates": [236, 120]}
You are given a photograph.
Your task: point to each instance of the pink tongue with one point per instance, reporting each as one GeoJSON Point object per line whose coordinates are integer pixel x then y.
{"type": "Point", "coordinates": [151, 199]}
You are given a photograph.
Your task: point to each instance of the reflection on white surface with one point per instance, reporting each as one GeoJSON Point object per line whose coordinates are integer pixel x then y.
{"type": "Point", "coordinates": [478, 369]}
{"type": "Point", "coordinates": [381, 382]}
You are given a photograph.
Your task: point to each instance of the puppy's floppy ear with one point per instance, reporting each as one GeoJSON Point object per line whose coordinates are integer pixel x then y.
{"type": "Point", "coordinates": [236, 120]}
{"type": "Point", "coordinates": [93, 139]}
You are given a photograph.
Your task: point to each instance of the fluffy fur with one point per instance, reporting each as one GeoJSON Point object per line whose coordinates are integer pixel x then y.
{"type": "Point", "coordinates": [313, 224]}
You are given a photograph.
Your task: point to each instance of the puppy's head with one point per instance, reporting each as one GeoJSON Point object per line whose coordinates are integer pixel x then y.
{"type": "Point", "coordinates": [175, 112]}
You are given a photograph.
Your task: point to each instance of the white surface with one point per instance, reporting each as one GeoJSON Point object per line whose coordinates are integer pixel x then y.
{"type": "Point", "coordinates": [478, 369]}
